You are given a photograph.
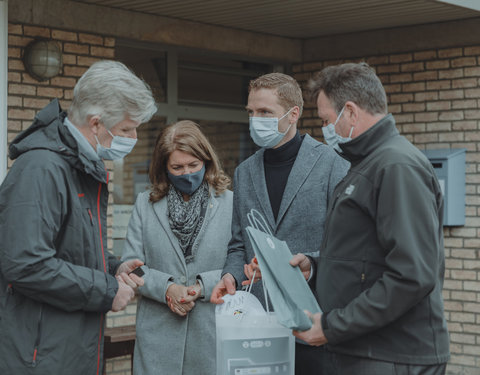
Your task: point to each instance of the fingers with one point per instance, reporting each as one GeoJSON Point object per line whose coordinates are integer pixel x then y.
{"type": "Point", "coordinates": [217, 293]}
{"type": "Point", "coordinates": [297, 259]}
{"type": "Point", "coordinates": [129, 280]}
{"type": "Point", "coordinates": [229, 284]}
{"type": "Point", "coordinates": [129, 266]}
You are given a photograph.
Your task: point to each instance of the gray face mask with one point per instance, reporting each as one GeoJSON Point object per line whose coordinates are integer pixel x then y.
{"type": "Point", "coordinates": [332, 138]}
{"type": "Point", "coordinates": [187, 183]}
{"type": "Point", "coordinates": [120, 147]}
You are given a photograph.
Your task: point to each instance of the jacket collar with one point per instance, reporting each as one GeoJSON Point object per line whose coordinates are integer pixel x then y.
{"type": "Point", "coordinates": [360, 147]}
{"type": "Point", "coordinates": [304, 163]}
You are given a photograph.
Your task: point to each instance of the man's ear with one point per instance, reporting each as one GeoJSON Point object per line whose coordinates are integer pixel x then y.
{"type": "Point", "coordinates": [351, 112]}
{"type": "Point", "coordinates": [94, 123]}
{"type": "Point", "coordinates": [295, 114]}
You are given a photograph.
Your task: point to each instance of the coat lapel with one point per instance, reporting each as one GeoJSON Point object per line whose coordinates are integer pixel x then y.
{"type": "Point", "coordinates": [161, 210]}
{"type": "Point", "coordinates": [257, 174]}
{"type": "Point", "coordinates": [304, 163]}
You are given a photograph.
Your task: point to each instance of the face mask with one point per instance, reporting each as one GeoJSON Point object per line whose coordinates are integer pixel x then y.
{"type": "Point", "coordinates": [332, 138]}
{"type": "Point", "coordinates": [120, 147]}
{"type": "Point", "coordinates": [187, 183]}
{"type": "Point", "coordinates": [264, 130]}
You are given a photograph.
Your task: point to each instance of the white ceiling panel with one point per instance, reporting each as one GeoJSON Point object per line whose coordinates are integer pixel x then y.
{"type": "Point", "coordinates": [300, 18]}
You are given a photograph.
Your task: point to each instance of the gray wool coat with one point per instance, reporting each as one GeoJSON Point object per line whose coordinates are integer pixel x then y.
{"type": "Point", "coordinates": [301, 218]}
{"type": "Point", "coordinates": [167, 343]}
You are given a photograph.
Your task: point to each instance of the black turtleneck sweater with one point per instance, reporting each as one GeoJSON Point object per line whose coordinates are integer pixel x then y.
{"type": "Point", "coordinates": [278, 163]}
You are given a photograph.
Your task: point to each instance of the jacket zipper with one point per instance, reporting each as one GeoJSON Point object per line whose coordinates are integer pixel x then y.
{"type": "Point", "coordinates": [37, 340]}
{"type": "Point", "coordinates": [104, 269]}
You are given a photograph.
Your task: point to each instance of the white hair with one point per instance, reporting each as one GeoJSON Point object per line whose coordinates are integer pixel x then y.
{"type": "Point", "coordinates": [112, 91]}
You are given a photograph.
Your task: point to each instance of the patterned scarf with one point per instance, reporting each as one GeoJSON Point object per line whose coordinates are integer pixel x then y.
{"type": "Point", "coordinates": [186, 218]}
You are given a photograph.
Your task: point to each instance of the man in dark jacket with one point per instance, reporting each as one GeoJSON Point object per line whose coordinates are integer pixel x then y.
{"type": "Point", "coordinates": [381, 267]}
{"type": "Point", "coordinates": [57, 279]}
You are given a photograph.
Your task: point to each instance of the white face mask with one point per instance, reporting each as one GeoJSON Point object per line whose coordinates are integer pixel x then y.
{"type": "Point", "coordinates": [264, 130]}
{"type": "Point", "coordinates": [120, 147]}
{"type": "Point", "coordinates": [332, 138]}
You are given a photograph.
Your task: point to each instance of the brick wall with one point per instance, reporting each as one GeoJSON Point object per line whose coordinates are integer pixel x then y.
{"type": "Point", "coordinates": [26, 96]}
{"type": "Point", "coordinates": [435, 98]}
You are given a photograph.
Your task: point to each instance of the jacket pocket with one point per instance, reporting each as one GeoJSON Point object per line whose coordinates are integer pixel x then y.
{"type": "Point", "coordinates": [36, 343]}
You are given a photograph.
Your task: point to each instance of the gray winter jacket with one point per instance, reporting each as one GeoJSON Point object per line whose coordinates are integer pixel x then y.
{"type": "Point", "coordinates": [56, 279]}
{"type": "Point", "coordinates": [381, 267]}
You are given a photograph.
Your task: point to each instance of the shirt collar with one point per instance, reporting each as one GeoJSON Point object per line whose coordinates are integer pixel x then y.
{"type": "Point", "coordinates": [84, 146]}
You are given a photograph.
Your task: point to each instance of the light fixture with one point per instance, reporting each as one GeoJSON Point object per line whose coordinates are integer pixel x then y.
{"type": "Point", "coordinates": [43, 59]}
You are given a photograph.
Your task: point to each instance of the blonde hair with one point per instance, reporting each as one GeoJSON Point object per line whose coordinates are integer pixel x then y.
{"type": "Point", "coordinates": [286, 88]}
{"type": "Point", "coordinates": [184, 136]}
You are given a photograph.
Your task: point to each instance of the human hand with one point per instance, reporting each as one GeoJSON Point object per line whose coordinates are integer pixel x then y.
{"type": "Point", "coordinates": [250, 269]}
{"type": "Point", "coordinates": [124, 272]}
{"type": "Point", "coordinates": [314, 336]}
{"type": "Point", "coordinates": [303, 262]}
{"type": "Point", "coordinates": [124, 295]}
{"type": "Point", "coordinates": [178, 299]}
{"type": "Point", "coordinates": [226, 285]}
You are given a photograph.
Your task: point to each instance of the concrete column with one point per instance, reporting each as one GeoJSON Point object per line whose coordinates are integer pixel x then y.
{"type": "Point", "coordinates": [3, 86]}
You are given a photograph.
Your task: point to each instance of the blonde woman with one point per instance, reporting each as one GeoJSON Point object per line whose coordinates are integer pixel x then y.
{"type": "Point", "coordinates": [180, 229]}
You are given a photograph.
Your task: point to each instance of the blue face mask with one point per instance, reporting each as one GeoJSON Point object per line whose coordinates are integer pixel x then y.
{"type": "Point", "coordinates": [264, 130]}
{"type": "Point", "coordinates": [332, 138]}
{"type": "Point", "coordinates": [187, 183]}
{"type": "Point", "coordinates": [120, 147]}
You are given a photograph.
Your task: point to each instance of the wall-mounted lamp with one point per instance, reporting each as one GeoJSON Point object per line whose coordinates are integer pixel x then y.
{"type": "Point", "coordinates": [43, 59]}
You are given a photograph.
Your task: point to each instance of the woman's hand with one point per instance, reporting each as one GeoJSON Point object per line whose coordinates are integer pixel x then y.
{"type": "Point", "coordinates": [179, 300]}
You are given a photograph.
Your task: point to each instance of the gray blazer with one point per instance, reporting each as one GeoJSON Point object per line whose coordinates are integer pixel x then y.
{"type": "Point", "coordinates": [167, 343]}
{"type": "Point", "coordinates": [300, 221]}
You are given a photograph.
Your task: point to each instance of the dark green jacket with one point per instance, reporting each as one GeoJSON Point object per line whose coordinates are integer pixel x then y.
{"type": "Point", "coordinates": [381, 268]}
{"type": "Point", "coordinates": [56, 280]}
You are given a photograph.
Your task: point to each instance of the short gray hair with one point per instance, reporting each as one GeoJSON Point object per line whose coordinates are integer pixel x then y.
{"type": "Point", "coordinates": [112, 91]}
{"type": "Point", "coordinates": [356, 82]}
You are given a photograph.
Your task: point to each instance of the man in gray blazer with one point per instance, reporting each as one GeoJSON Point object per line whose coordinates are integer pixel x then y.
{"type": "Point", "coordinates": [290, 181]}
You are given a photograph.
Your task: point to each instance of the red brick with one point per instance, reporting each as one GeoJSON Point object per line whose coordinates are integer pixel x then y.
{"type": "Point", "coordinates": [406, 57]}
{"type": "Point", "coordinates": [439, 85]}
{"type": "Point", "coordinates": [36, 31]}
{"type": "Point", "coordinates": [406, 77]}
{"type": "Point", "coordinates": [412, 67]}
{"type": "Point", "coordinates": [413, 107]}
{"type": "Point", "coordinates": [413, 87]}
{"type": "Point", "coordinates": [426, 138]}
{"type": "Point", "coordinates": [392, 88]}
{"type": "Point", "coordinates": [90, 39]}
{"type": "Point", "coordinates": [14, 52]}
{"type": "Point", "coordinates": [439, 106]}
{"type": "Point", "coordinates": [109, 42]}
{"type": "Point", "coordinates": [69, 59]}
{"type": "Point", "coordinates": [414, 128]}
{"type": "Point", "coordinates": [21, 114]}
{"type": "Point", "coordinates": [14, 77]}
{"type": "Point", "coordinates": [451, 94]}
{"type": "Point", "coordinates": [64, 35]}
{"type": "Point", "coordinates": [102, 52]}
{"type": "Point", "coordinates": [14, 125]}
{"type": "Point", "coordinates": [27, 78]}
{"type": "Point", "coordinates": [14, 101]}
{"type": "Point", "coordinates": [15, 29]}
{"type": "Point", "coordinates": [439, 127]}
{"type": "Point", "coordinates": [14, 64]}
{"type": "Point", "coordinates": [465, 125]}
{"type": "Point", "coordinates": [426, 117]}
{"type": "Point", "coordinates": [451, 52]}
{"type": "Point", "coordinates": [439, 64]}
{"type": "Point", "coordinates": [427, 95]}
{"type": "Point", "coordinates": [50, 92]}
{"type": "Point", "coordinates": [391, 68]}
{"type": "Point", "coordinates": [73, 71]}
{"type": "Point", "coordinates": [76, 48]}
{"type": "Point", "coordinates": [63, 81]}
{"type": "Point", "coordinates": [463, 104]}
{"type": "Point", "coordinates": [472, 93]}
{"type": "Point", "coordinates": [464, 61]}
{"type": "Point", "coordinates": [426, 76]}
{"type": "Point", "coordinates": [35, 103]}
{"type": "Point", "coordinates": [472, 72]}
{"type": "Point", "coordinates": [425, 55]}
{"type": "Point", "coordinates": [401, 98]}
{"type": "Point", "coordinates": [21, 89]}
{"type": "Point", "coordinates": [472, 114]}
{"type": "Point", "coordinates": [450, 73]}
